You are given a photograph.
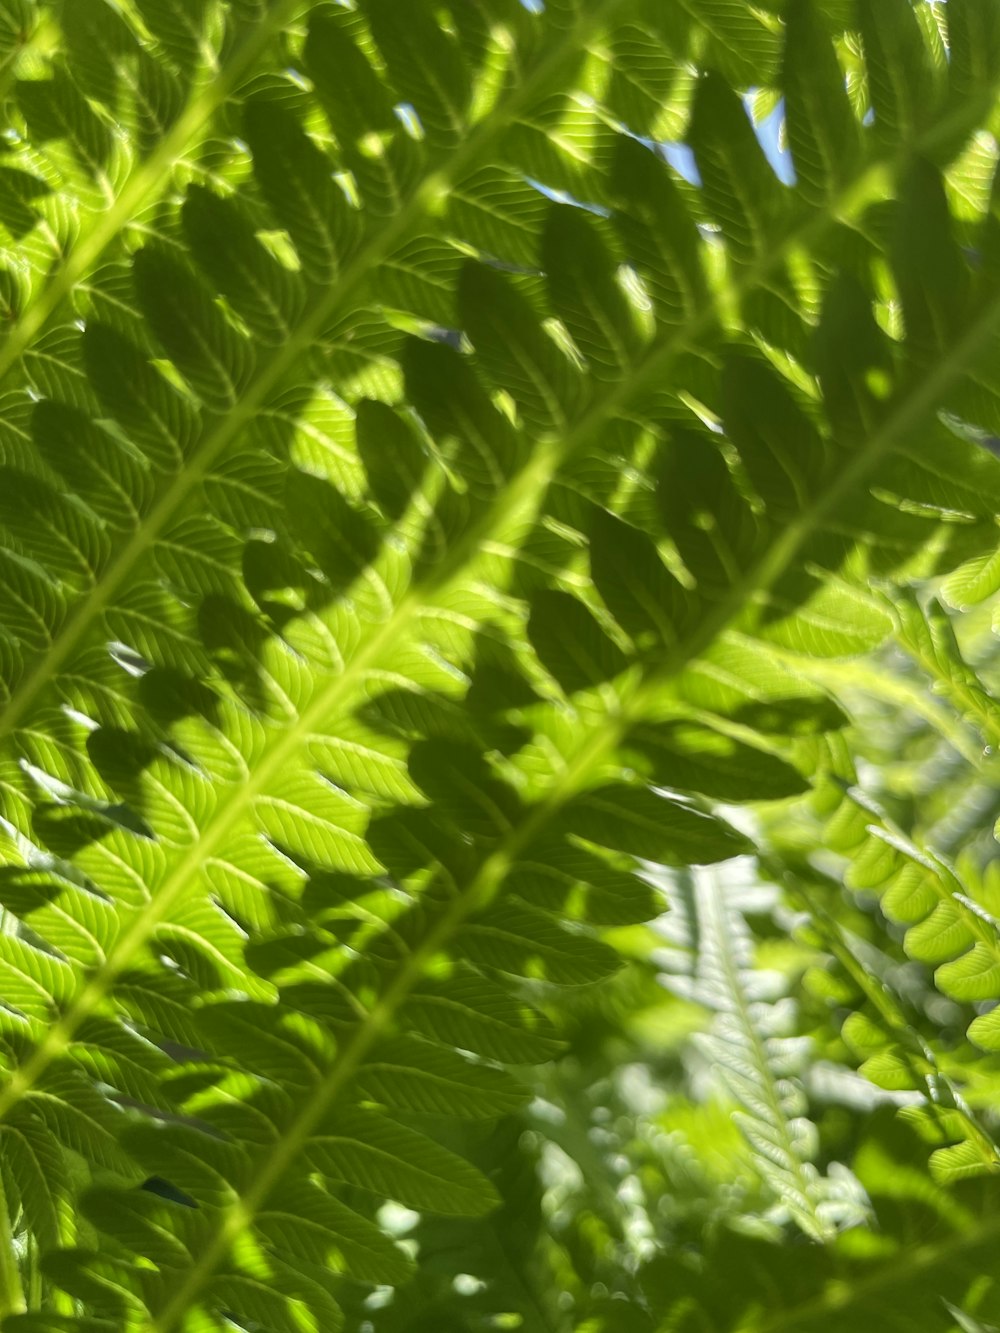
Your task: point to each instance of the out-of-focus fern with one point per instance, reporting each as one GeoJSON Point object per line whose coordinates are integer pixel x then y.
{"type": "Point", "coordinates": [925, 1260]}
{"type": "Point", "coordinates": [753, 1048]}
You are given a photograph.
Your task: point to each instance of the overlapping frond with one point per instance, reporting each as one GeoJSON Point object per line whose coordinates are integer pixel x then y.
{"type": "Point", "coordinates": [407, 477]}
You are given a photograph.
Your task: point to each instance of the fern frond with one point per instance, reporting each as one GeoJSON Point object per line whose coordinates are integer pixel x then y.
{"type": "Point", "coordinates": [756, 1055]}
{"type": "Point", "coordinates": [389, 582]}
{"type": "Point", "coordinates": [945, 928]}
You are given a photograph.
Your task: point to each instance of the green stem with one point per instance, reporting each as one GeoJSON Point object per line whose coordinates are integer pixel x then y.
{"type": "Point", "coordinates": [11, 1289]}
{"type": "Point", "coordinates": [34, 1276]}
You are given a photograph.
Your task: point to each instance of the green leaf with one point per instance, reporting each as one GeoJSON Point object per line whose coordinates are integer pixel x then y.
{"type": "Point", "coordinates": [929, 268]}
{"type": "Point", "coordinates": [224, 243]}
{"type": "Point", "coordinates": [473, 1013]}
{"type": "Point", "coordinates": [299, 188]}
{"type": "Point", "coordinates": [635, 820]}
{"type": "Point", "coordinates": [639, 591]}
{"type": "Point", "coordinates": [406, 1074]}
{"type": "Point", "coordinates": [209, 353]}
{"type": "Point", "coordinates": [571, 644]}
{"type": "Point", "coordinates": [741, 190]}
{"type": "Point", "coordinates": [586, 295]}
{"type": "Point", "coordinates": [522, 941]}
{"type": "Point", "coordinates": [358, 101]}
{"type": "Point", "coordinates": [903, 82]}
{"type": "Point", "coordinates": [688, 757]}
{"type": "Point", "coordinates": [659, 231]}
{"type": "Point", "coordinates": [974, 38]}
{"type": "Point", "coordinates": [426, 67]}
{"type": "Point", "coordinates": [515, 349]}
{"type": "Point", "coordinates": [778, 444]}
{"type": "Point", "coordinates": [823, 134]}
{"type": "Point", "coordinates": [363, 1148]}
